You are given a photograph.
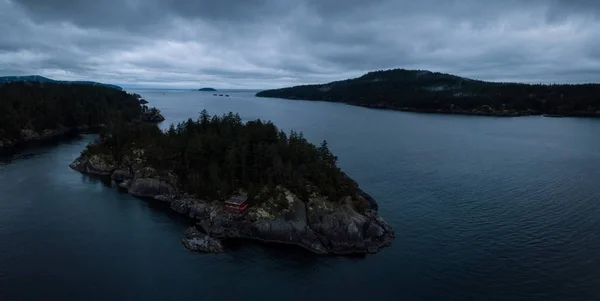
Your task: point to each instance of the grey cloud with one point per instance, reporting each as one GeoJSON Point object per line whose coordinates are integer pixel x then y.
{"type": "Point", "coordinates": [271, 43]}
{"type": "Point", "coordinates": [140, 13]}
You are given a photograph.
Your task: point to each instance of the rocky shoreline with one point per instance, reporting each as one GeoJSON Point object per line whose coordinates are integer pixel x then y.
{"type": "Point", "coordinates": [480, 111]}
{"type": "Point", "coordinates": [318, 225]}
{"type": "Point", "coordinates": [31, 136]}
{"type": "Point", "coordinates": [483, 111]}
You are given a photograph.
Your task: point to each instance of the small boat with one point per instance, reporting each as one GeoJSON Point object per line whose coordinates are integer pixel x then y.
{"type": "Point", "coordinates": [227, 95]}
{"type": "Point", "coordinates": [214, 94]}
{"type": "Point", "coordinates": [220, 94]}
{"type": "Point", "coordinates": [553, 115]}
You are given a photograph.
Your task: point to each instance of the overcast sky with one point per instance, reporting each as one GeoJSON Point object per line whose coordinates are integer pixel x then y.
{"type": "Point", "coordinates": [275, 43]}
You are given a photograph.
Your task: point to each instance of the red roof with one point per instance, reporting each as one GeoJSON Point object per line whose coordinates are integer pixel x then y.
{"type": "Point", "coordinates": [237, 200]}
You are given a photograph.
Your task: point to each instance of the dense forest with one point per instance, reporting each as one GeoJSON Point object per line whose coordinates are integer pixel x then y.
{"type": "Point", "coordinates": [27, 107]}
{"type": "Point", "coordinates": [416, 90]}
{"type": "Point", "coordinates": [214, 157]}
{"type": "Point", "coordinates": [41, 79]}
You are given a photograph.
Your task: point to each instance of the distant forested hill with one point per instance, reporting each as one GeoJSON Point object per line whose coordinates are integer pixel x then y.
{"type": "Point", "coordinates": [41, 79]}
{"type": "Point", "coordinates": [425, 91]}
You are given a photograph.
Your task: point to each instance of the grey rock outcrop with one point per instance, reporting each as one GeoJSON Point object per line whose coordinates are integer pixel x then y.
{"type": "Point", "coordinates": [322, 229]}
{"type": "Point", "coordinates": [149, 187]}
{"type": "Point", "coordinates": [197, 241]}
{"type": "Point", "coordinates": [318, 224]}
{"type": "Point", "coordinates": [96, 165]}
{"type": "Point", "coordinates": [121, 175]}
{"type": "Point", "coordinates": [125, 184]}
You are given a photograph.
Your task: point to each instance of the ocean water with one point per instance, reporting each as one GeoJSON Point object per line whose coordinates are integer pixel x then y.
{"type": "Point", "coordinates": [483, 208]}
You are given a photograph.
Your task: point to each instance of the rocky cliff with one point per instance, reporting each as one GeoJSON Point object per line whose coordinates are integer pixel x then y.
{"type": "Point", "coordinates": [316, 224]}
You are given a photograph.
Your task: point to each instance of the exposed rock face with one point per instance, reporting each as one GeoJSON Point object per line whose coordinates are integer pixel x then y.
{"type": "Point", "coordinates": [318, 225]}
{"type": "Point", "coordinates": [347, 231]}
{"type": "Point", "coordinates": [148, 187]}
{"type": "Point", "coordinates": [96, 165]}
{"type": "Point", "coordinates": [322, 228]}
{"type": "Point", "coordinates": [121, 175]}
{"type": "Point", "coordinates": [199, 242]}
{"type": "Point", "coordinates": [29, 135]}
{"type": "Point", "coordinates": [125, 184]}
{"type": "Point", "coordinates": [6, 143]}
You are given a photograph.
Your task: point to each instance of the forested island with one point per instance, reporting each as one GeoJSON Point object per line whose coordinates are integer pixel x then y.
{"type": "Point", "coordinates": [425, 91]}
{"type": "Point", "coordinates": [207, 90]}
{"type": "Point", "coordinates": [33, 111]}
{"type": "Point", "coordinates": [296, 192]}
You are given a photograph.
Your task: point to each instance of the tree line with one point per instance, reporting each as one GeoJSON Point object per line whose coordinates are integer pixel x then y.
{"type": "Point", "coordinates": [214, 157]}
{"type": "Point", "coordinates": [40, 106]}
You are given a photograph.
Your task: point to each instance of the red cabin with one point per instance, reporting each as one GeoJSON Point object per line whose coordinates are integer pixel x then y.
{"type": "Point", "coordinates": [237, 203]}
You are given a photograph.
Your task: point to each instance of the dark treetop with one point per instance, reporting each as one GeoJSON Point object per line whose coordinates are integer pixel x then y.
{"type": "Point", "coordinates": [214, 157]}
{"type": "Point", "coordinates": [424, 91]}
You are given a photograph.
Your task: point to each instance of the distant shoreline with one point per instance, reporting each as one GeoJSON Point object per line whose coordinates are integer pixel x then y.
{"type": "Point", "coordinates": [433, 92]}
{"type": "Point", "coordinates": [506, 113]}
{"type": "Point", "coordinates": [481, 113]}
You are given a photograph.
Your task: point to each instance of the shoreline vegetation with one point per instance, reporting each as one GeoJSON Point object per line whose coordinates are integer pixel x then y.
{"type": "Point", "coordinates": [431, 92]}
{"type": "Point", "coordinates": [297, 194]}
{"type": "Point", "coordinates": [43, 111]}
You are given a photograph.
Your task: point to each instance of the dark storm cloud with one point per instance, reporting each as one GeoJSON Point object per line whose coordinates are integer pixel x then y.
{"type": "Point", "coordinates": [270, 43]}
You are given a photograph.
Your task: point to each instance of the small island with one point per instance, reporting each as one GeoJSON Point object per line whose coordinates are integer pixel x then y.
{"type": "Point", "coordinates": [207, 90]}
{"type": "Point", "coordinates": [241, 181]}
{"type": "Point", "coordinates": [433, 92]}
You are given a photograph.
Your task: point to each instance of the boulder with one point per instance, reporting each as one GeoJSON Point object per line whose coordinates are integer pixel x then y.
{"type": "Point", "coordinates": [182, 206]}
{"type": "Point", "coordinates": [5, 143]}
{"type": "Point", "coordinates": [196, 241]}
{"type": "Point", "coordinates": [95, 164]}
{"type": "Point", "coordinates": [29, 135]}
{"type": "Point", "coordinates": [346, 231]}
{"type": "Point", "coordinates": [146, 187]}
{"type": "Point", "coordinates": [125, 184]}
{"type": "Point", "coordinates": [100, 166]}
{"type": "Point", "coordinates": [121, 175]}
{"type": "Point", "coordinates": [165, 198]}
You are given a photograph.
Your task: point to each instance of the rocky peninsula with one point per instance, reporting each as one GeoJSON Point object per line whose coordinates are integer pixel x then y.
{"type": "Point", "coordinates": [333, 218]}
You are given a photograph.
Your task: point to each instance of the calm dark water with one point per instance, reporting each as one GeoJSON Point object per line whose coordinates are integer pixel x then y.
{"type": "Point", "coordinates": [484, 209]}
